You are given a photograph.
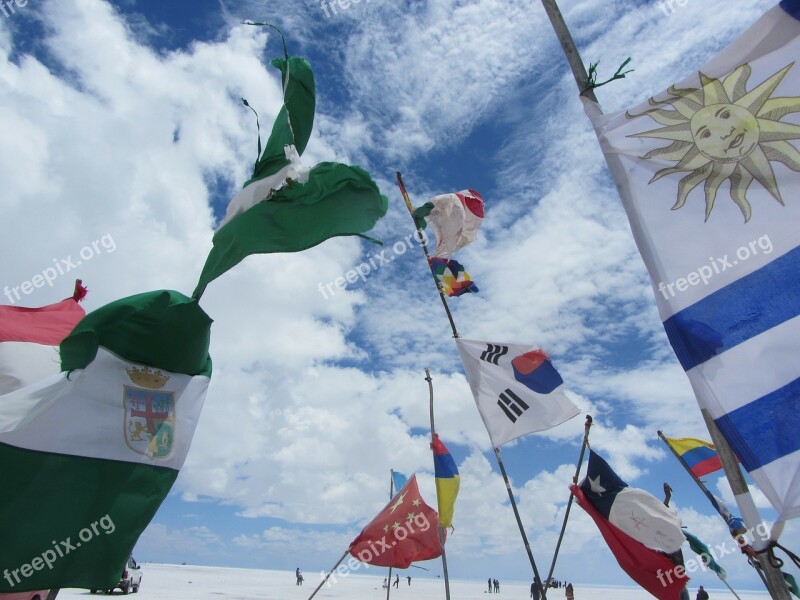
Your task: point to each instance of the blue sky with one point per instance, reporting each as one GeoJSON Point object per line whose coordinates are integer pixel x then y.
{"type": "Point", "coordinates": [123, 118]}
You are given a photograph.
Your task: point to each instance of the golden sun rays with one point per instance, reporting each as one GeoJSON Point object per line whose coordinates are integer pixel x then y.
{"type": "Point", "coordinates": [723, 132]}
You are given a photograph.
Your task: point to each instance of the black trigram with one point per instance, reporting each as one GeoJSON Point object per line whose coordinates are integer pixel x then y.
{"type": "Point", "coordinates": [512, 404]}
{"type": "Point", "coordinates": [493, 353]}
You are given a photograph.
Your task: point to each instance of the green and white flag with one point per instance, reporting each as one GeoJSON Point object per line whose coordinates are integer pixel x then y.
{"type": "Point", "coordinates": [88, 455]}
{"type": "Point", "coordinates": [286, 207]}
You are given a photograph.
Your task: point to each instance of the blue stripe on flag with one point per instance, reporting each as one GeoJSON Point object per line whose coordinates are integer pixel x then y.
{"type": "Point", "coordinates": [766, 429]}
{"type": "Point", "coordinates": [792, 7]}
{"type": "Point", "coordinates": [742, 310]}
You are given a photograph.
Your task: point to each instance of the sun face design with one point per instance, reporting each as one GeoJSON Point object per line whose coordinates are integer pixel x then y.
{"type": "Point", "coordinates": [723, 132]}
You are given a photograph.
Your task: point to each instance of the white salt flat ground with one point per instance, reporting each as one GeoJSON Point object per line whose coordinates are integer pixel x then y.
{"type": "Point", "coordinates": [185, 582]}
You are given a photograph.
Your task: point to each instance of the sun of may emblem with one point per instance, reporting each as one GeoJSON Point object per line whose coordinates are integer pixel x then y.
{"type": "Point", "coordinates": [723, 132]}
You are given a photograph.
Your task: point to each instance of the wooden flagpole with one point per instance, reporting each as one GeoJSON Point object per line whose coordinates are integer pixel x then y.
{"type": "Point", "coordinates": [744, 500]}
{"type": "Point", "coordinates": [333, 568]}
{"type": "Point", "coordinates": [410, 208]}
{"type": "Point", "coordinates": [774, 579]}
{"type": "Point", "coordinates": [586, 427]}
{"type": "Point", "coordinates": [391, 493]}
{"type": "Point", "coordinates": [421, 238]}
{"type": "Point", "coordinates": [440, 528]}
{"type": "Point", "coordinates": [519, 522]}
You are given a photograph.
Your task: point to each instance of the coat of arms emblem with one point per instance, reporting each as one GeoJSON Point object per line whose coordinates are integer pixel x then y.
{"type": "Point", "coordinates": [149, 414]}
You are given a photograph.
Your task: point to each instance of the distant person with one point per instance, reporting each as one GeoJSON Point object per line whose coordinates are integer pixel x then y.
{"type": "Point", "coordinates": [385, 585]}
{"type": "Point", "coordinates": [409, 579]}
{"type": "Point", "coordinates": [397, 582]}
{"type": "Point", "coordinates": [299, 576]}
{"type": "Point", "coordinates": [569, 592]}
{"type": "Point", "coordinates": [702, 594]}
{"type": "Point", "coordinates": [490, 585]}
{"type": "Point", "coordinates": [496, 586]}
{"type": "Point", "coordinates": [535, 589]}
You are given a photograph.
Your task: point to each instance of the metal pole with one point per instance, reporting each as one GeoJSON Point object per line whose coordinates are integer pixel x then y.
{"type": "Point", "coordinates": [569, 47]}
{"type": "Point", "coordinates": [586, 427]}
{"type": "Point", "coordinates": [391, 493]}
{"type": "Point", "coordinates": [441, 531]}
{"type": "Point", "coordinates": [333, 568]}
{"type": "Point", "coordinates": [773, 577]}
{"type": "Point", "coordinates": [421, 238]}
{"type": "Point", "coordinates": [519, 522]}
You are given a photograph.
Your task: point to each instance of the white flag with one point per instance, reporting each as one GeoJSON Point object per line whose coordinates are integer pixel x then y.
{"type": "Point", "coordinates": [516, 388]}
{"type": "Point", "coordinates": [708, 171]}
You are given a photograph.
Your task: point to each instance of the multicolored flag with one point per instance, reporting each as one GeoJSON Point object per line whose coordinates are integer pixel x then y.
{"type": "Point", "coordinates": [516, 388]}
{"type": "Point", "coordinates": [451, 277]}
{"type": "Point", "coordinates": [285, 207]}
{"type": "Point", "coordinates": [29, 339]}
{"type": "Point", "coordinates": [405, 531]}
{"type": "Point", "coordinates": [447, 480]}
{"type": "Point", "coordinates": [709, 173]}
{"type": "Point", "coordinates": [91, 453]}
{"type": "Point", "coordinates": [454, 218]}
{"type": "Point", "coordinates": [701, 457]}
{"type": "Point", "coordinates": [636, 526]}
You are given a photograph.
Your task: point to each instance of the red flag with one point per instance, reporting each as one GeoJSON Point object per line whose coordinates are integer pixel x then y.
{"type": "Point", "coordinates": [651, 570]}
{"type": "Point", "coordinates": [405, 531]}
{"type": "Point", "coordinates": [29, 339]}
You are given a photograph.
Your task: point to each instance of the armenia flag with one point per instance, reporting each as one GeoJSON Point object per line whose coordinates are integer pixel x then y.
{"type": "Point", "coordinates": [89, 454]}
{"type": "Point", "coordinates": [709, 174]}
{"type": "Point", "coordinates": [447, 480]}
{"type": "Point", "coordinates": [700, 456]}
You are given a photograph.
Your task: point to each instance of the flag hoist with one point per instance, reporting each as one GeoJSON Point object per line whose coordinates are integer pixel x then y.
{"type": "Point", "coordinates": [516, 388]}
{"type": "Point", "coordinates": [734, 330]}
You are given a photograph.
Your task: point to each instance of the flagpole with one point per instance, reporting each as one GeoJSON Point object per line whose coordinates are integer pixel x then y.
{"type": "Point", "coordinates": [421, 238]}
{"type": "Point", "coordinates": [773, 577]}
{"type": "Point", "coordinates": [741, 492]}
{"type": "Point", "coordinates": [519, 521]}
{"type": "Point", "coordinates": [586, 427]}
{"type": "Point", "coordinates": [697, 480]}
{"type": "Point", "coordinates": [391, 493]}
{"type": "Point", "coordinates": [440, 528]}
{"type": "Point", "coordinates": [333, 568]}
{"type": "Point", "coordinates": [569, 48]}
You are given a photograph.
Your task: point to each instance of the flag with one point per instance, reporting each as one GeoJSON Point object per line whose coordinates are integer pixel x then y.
{"type": "Point", "coordinates": [447, 481]}
{"type": "Point", "coordinates": [701, 549]}
{"type": "Point", "coordinates": [29, 339]}
{"type": "Point", "coordinates": [791, 583]}
{"type": "Point", "coordinates": [405, 531]}
{"type": "Point", "coordinates": [651, 570]}
{"type": "Point", "coordinates": [723, 256]}
{"type": "Point", "coordinates": [89, 454]}
{"type": "Point", "coordinates": [454, 218]}
{"type": "Point", "coordinates": [516, 387]}
{"type": "Point", "coordinates": [735, 524]}
{"type": "Point", "coordinates": [633, 511]}
{"type": "Point", "coordinates": [636, 526]}
{"type": "Point", "coordinates": [452, 277]}
{"type": "Point", "coordinates": [284, 207]}
{"type": "Point", "coordinates": [398, 480]}
{"type": "Point", "coordinates": [701, 457]}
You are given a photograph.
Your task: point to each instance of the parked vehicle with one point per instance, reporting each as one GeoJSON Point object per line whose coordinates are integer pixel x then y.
{"type": "Point", "coordinates": [129, 581]}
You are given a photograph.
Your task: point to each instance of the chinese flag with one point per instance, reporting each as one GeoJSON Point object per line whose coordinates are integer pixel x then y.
{"type": "Point", "coordinates": [405, 531]}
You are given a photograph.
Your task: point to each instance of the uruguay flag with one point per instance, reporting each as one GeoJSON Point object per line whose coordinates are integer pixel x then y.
{"type": "Point", "coordinates": [709, 173]}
